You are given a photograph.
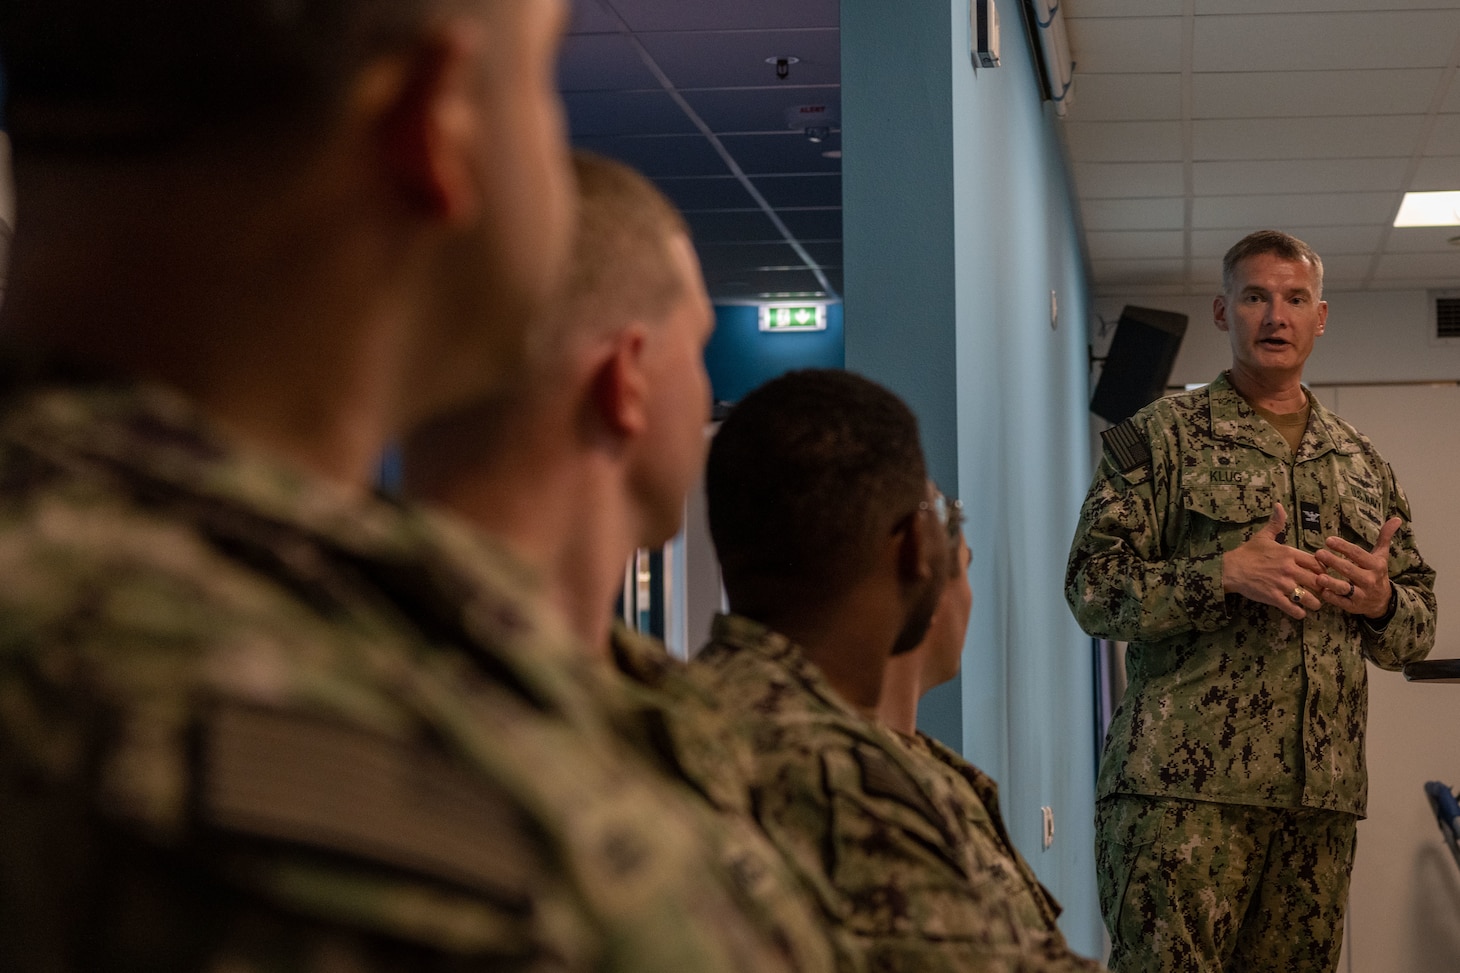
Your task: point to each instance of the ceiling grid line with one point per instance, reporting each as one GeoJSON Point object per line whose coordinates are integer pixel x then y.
{"type": "Point", "coordinates": [1188, 151]}
{"type": "Point", "coordinates": [1200, 121]}
{"type": "Point", "coordinates": [734, 166]}
{"type": "Point", "coordinates": [1437, 102]}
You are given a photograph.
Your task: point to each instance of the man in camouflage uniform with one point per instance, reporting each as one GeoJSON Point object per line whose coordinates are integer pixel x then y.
{"type": "Point", "coordinates": [834, 556]}
{"type": "Point", "coordinates": [1233, 773]}
{"type": "Point", "coordinates": [593, 458]}
{"type": "Point", "coordinates": [252, 718]}
{"type": "Point", "coordinates": [974, 794]}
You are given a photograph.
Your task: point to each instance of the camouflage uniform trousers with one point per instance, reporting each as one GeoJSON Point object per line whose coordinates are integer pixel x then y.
{"type": "Point", "coordinates": [1200, 886]}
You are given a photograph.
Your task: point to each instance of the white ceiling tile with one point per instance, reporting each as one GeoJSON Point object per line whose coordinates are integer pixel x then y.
{"type": "Point", "coordinates": [1418, 239]}
{"type": "Point", "coordinates": [1355, 239]}
{"type": "Point", "coordinates": [1133, 214]}
{"type": "Point", "coordinates": [1206, 273]}
{"type": "Point", "coordinates": [1120, 8]}
{"type": "Point", "coordinates": [1126, 45]}
{"type": "Point", "coordinates": [1435, 173]}
{"type": "Point", "coordinates": [1345, 270]}
{"type": "Point", "coordinates": [1335, 240]}
{"type": "Point", "coordinates": [1139, 273]}
{"type": "Point", "coordinates": [1306, 175]}
{"type": "Point", "coordinates": [1313, 6]}
{"type": "Point", "coordinates": [1378, 283]}
{"type": "Point", "coordinates": [1127, 97]}
{"type": "Point", "coordinates": [1128, 180]}
{"type": "Point", "coordinates": [1295, 94]}
{"type": "Point", "coordinates": [1126, 291]}
{"type": "Point", "coordinates": [1326, 41]}
{"type": "Point", "coordinates": [1429, 265]}
{"type": "Point", "coordinates": [1445, 138]}
{"type": "Point", "coordinates": [1134, 244]}
{"type": "Point", "coordinates": [1315, 209]}
{"type": "Point", "coordinates": [1213, 243]}
{"type": "Point", "coordinates": [1124, 141]}
{"type": "Point", "coordinates": [1307, 138]}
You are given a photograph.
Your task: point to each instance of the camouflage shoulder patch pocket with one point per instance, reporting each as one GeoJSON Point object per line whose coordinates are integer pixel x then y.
{"type": "Point", "coordinates": [1127, 450]}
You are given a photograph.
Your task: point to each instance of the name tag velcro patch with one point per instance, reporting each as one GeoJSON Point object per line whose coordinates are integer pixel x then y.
{"type": "Point", "coordinates": [300, 779]}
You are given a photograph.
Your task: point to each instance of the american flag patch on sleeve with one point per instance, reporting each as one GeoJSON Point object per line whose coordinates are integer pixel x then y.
{"type": "Point", "coordinates": [1126, 446]}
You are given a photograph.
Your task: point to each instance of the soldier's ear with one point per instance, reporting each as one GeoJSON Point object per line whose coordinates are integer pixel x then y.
{"type": "Point", "coordinates": [917, 548]}
{"type": "Point", "coordinates": [620, 386]}
{"type": "Point", "coordinates": [428, 129]}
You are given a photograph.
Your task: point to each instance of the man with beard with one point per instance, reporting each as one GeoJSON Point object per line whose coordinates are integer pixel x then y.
{"type": "Point", "coordinates": [834, 549]}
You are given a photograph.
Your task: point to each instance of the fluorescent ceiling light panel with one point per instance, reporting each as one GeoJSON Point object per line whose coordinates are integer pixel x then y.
{"type": "Point", "coordinates": [1429, 209]}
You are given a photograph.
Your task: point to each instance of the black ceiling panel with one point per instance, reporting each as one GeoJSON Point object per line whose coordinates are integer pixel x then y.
{"type": "Point", "coordinates": [763, 285]}
{"type": "Point", "coordinates": [736, 59]}
{"type": "Point", "coordinates": [731, 226]}
{"type": "Point", "coordinates": [651, 15]}
{"type": "Point", "coordinates": [783, 153]}
{"type": "Point", "coordinates": [706, 192]}
{"type": "Point", "coordinates": [819, 190]}
{"type": "Point", "coordinates": [770, 110]}
{"type": "Point", "coordinates": [599, 113]}
{"type": "Point", "coordinates": [813, 224]}
{"type": "Point", "coordinates": [713, 53]}
{"type": "Point", "coordinates": [721, 258]}
{"type": "Point", "coordinates": [669, 155]}
{"type": "Point", "coordinates": [603, 62]}
{"type": "Point", "coordinates": [591, 16]}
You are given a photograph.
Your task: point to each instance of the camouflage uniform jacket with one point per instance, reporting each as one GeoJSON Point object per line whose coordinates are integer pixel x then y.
{"type": "Point", "coordinates": [681, 728]}
{"type": "Point", "coordinates": [1230, 700]}
{"type": "Point", "coordinates": [250, 722]}
{"type": "Point", "coordinates": [874, 836]}
{"type": "Point", "coordinates": [977, 799]}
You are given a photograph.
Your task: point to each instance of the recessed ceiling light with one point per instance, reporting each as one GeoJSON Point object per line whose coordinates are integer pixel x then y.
{"type": "Point", "coordinates": [1429, 209]}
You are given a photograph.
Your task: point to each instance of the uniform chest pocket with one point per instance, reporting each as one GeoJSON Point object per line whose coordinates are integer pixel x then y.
{"type": "Point", "coordinates": [1361, 521]}
{"type": "Point", "coordinates": [1222, 516]}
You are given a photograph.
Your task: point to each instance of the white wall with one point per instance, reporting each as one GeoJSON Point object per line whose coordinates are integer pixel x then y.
{"type": "Point", "coordinates": [959, 224]}
{"type": "Point", "coordinates": [1404, 907]}
{"type": "Point", "coordinates": [1371, 337]}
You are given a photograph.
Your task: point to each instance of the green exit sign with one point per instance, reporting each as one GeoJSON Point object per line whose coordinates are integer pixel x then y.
{"type": "Point", "coordinates": [793, 317]}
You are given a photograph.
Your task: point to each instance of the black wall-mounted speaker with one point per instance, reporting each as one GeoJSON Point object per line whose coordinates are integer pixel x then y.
{"type": "Point", "coordinates": [1138, 363]}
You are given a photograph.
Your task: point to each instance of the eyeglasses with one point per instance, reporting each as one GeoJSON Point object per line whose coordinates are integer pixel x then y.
{"type": "Point", "coordinates": [948, 512]}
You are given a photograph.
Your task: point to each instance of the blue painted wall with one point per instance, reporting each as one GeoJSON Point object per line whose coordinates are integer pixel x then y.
{"type": "Point", "coordinates": [741, 357]}
{"type": "Point", "coordinates": [960, 221]}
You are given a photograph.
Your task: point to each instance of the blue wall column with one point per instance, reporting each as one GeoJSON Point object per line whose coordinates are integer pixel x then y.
{"type": "Point", "coordinates": [961, 236]}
